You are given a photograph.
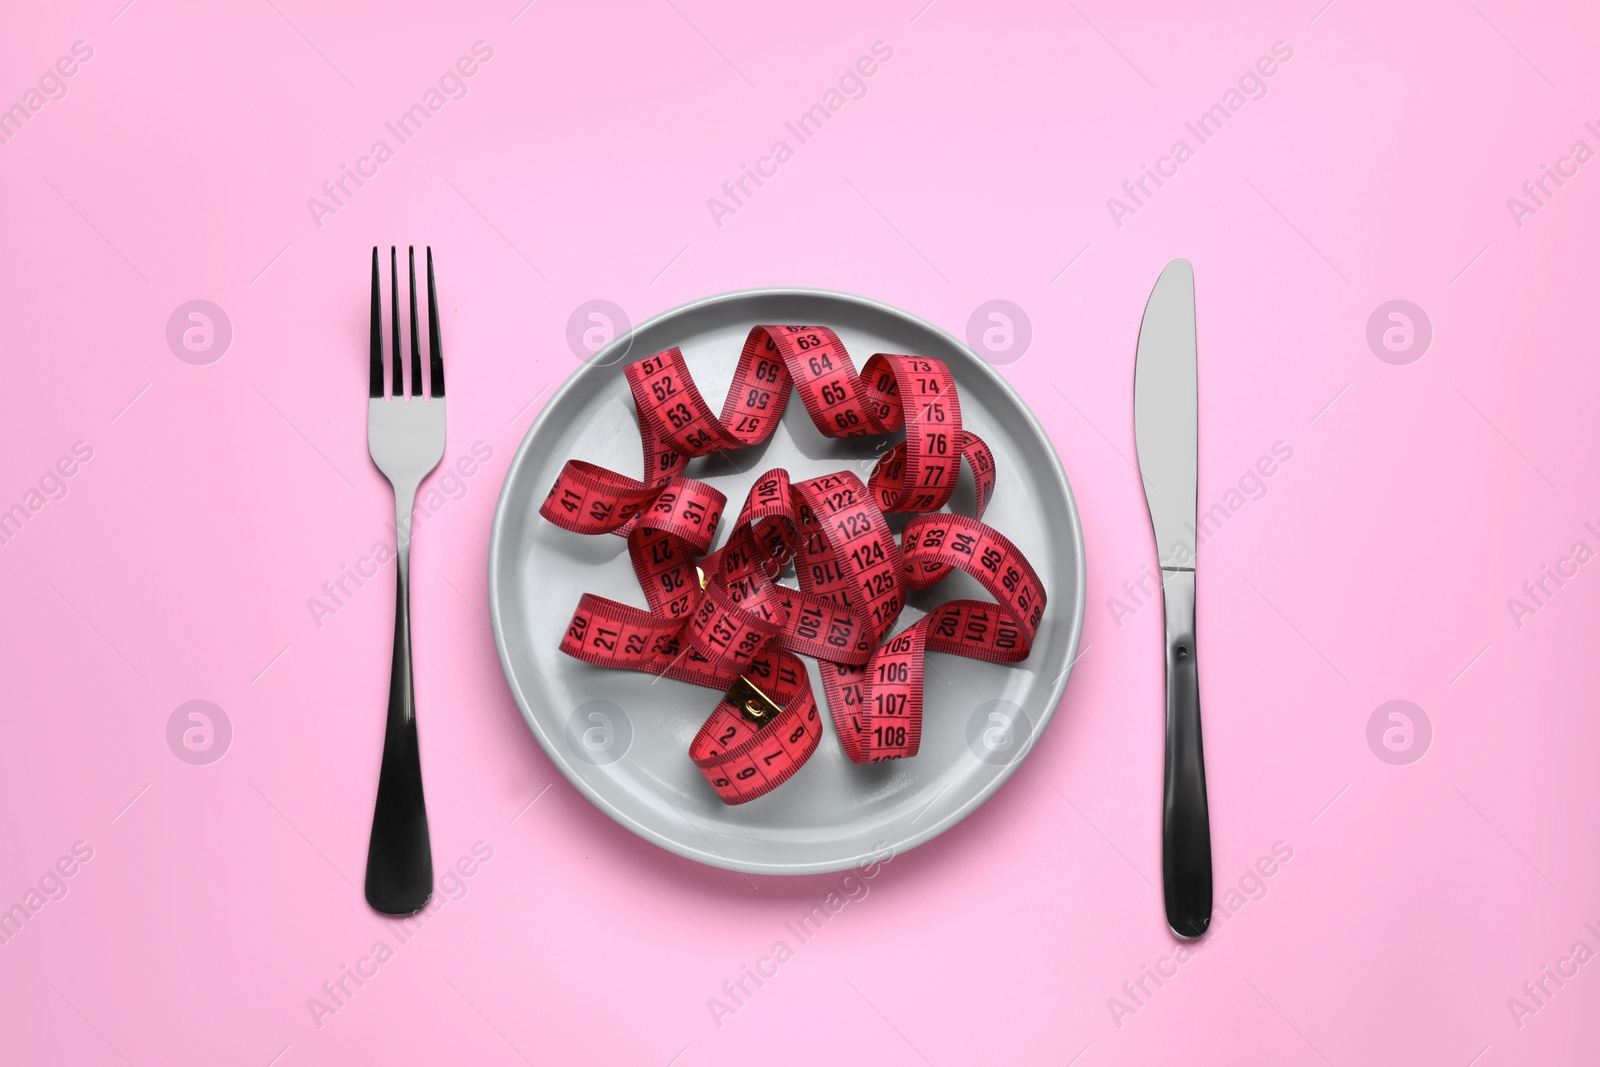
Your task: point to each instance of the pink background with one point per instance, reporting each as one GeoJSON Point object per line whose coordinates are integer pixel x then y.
{"type": "Point", "coordinates": [219, 498]}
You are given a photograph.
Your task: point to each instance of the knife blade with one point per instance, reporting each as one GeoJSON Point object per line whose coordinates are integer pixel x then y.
{"type": "Point", "coordinates": [1166, 414]}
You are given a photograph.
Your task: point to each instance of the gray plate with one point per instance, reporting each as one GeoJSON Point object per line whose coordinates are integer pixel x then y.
{"type": "Point", "coordinates": [623, 738]}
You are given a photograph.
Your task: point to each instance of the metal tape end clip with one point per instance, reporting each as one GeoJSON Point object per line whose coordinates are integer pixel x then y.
{"type": "Point", "coordinates": [753, 704]}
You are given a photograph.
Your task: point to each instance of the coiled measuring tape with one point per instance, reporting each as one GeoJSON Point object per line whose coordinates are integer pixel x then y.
{"type": "Point", "coordinates": [719, 618]}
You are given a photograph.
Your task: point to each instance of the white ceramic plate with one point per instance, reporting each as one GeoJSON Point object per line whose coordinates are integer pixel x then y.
{"type": "Point", "coordinates": [623, 738]}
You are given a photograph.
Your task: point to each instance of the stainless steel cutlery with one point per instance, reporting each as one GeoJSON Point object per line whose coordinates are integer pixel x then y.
{"type": "Point", "coordinates": [406, 438]}
{"type": "Point", "coordinates": [1166, 432]}
{"type": "Point", "coordinates": [405, 435]}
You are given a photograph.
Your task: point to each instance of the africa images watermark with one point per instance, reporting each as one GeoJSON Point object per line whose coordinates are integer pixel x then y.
{"type": "Point", "coordinates": [1537, 992]}
{"type": "Point", "coordinates": [52, 486]}
{"type": "Point", "coordinates": [1538, 591]}
{"type": "Point", "coordinates": [52, 886]}
{"type": "Point", "coordinates": [453, 484]}
{"type": "Point", "coordinates": [853, 888]}
{"type": "Point", "coordinates": [1539, 191]}
{"type": "Point", "coordinates": [452, 85]}
{"type": "Point", "coordinates": [1252, 85]}
{"type": "Point", "coordinates": [852, 85]}
{"type": "Point", "coordinates": [1251, 886]}
{"type": "Point", "coordinates": [51, 86]}
{"type": "Point", "coordinates": [1251, 485]}
{"type": "Point", "coordinates": [338, 991]}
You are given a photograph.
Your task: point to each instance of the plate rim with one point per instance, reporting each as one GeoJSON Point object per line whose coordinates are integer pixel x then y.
{"type": "Point", "coordinates": [713, 857]}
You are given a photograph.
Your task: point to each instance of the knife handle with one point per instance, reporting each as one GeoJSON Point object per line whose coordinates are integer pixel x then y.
{"type": "Point", "coordinates": [1185, 820]}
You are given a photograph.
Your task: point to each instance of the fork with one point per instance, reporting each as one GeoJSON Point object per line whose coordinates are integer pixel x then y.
{"type": "Point", "coordinates": [405, 436]}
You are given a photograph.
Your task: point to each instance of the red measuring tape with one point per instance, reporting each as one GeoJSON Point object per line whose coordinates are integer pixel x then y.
{"type": "Point", "coordinates": [719, 618]}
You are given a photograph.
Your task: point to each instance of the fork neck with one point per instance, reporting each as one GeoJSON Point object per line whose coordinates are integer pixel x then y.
{"type": "Point", "coordinates": [405, 498]}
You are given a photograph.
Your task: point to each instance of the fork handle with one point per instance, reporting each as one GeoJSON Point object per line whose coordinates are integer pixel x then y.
{"type": "Point", "coordinates": [399, 858]}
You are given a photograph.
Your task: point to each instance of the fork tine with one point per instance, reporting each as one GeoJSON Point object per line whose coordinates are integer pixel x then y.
{"type": "Point", "coordinates": [395, 343]}
{"type": "Point", "coordinates": [416, 342]}
{"type": "Point", "coordinates": [375, 378]}
{"type": "Point", "coordinates": [435, 352]}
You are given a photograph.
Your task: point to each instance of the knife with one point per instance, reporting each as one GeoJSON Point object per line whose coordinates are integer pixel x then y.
{"type": "Point", "coordinates": [1166, 432]}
